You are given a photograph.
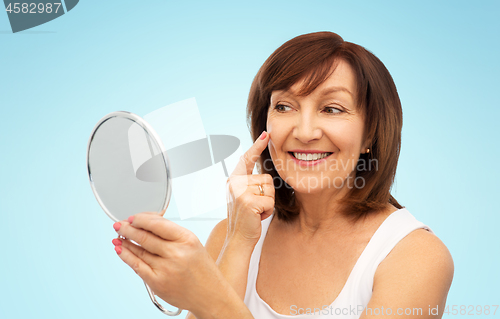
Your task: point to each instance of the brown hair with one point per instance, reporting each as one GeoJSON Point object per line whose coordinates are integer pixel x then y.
{"type": "Point", "coordinates": [310, 57]}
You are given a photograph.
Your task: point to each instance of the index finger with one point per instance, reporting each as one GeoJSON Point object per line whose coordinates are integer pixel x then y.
{"type": "Point", "coordinates": [247, 161]}
{"type": "Point", "coordinates": [161, 227]}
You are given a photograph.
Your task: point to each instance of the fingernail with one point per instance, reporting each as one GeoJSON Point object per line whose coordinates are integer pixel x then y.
{"type": "Point", "coordinates": [263, 135]}
{"type": "Point", "coordinates": [118, 249]}
{"type": "Point", "coordinates": [117, 226]}
{"type": "Point", "coordinates": [131, 219]}
{"type": "Point", "coordinates": [117, 242]}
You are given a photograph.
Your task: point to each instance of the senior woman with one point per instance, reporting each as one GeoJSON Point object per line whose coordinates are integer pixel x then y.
{"type": "Point", "coordinates": [317, 233]}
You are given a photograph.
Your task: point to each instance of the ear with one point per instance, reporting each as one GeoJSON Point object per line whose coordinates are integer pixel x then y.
{"type": "Point", "coordinates": [367, 144]}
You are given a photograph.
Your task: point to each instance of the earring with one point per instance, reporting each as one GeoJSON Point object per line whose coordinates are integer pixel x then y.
{"type": "Point", "coordinates": [367, 150]}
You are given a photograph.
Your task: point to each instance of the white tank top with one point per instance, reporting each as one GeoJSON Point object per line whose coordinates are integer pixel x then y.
{"type": "Point", "coordinates": [357, 291]}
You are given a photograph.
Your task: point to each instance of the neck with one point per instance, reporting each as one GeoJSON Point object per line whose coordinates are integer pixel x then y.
{"type": "Point", "coordinates": [321, 213]}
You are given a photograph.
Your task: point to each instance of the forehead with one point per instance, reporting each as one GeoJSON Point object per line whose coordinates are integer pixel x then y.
{"type": "Point", "coordinates": [341, 82]}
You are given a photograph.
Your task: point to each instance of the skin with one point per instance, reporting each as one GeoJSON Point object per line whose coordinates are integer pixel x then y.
{"type": "Point", "coordinates": [210, 281]}
{"type": "Point", "coordinates": [329, 122]}
{"type": "Point", "coordinates": [176, 266]}
{"type": "Point", "coordinates": [332, 123]}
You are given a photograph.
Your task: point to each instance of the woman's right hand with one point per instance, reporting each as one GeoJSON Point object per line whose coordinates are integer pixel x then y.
{"type": "Point", "coordinates": [246, 207]}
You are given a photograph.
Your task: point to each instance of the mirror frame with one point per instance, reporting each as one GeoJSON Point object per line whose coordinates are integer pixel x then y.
{"type": "Point", "coordinates": [155, 139]}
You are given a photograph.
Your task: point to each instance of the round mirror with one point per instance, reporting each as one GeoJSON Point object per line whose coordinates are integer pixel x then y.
{"type": "Point", "coordinates": [129, 170]}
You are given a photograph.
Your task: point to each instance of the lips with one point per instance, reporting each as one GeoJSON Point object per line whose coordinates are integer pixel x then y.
{"type": "Point", "coordinates": [310, 156]}
{"type": "Point", "coordinates": [310, 162]}
{"type": "Point", "coordinates": [308, 151]}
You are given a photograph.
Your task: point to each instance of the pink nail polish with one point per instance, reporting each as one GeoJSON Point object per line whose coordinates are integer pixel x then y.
{"type": "Point", "coordinates": [117, 226]}
{"type": "Point", "coordinates": [131, 219]}
{"type": "Point", "coordinates": [263, 135]}
{"type": "Point", "coordinates": [117, 242]}
{"type": "Point", "coordinates": [118, 249]}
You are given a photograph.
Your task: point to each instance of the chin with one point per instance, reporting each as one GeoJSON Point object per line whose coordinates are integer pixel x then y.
{"type": "Point", "coordinates": [311, 184]}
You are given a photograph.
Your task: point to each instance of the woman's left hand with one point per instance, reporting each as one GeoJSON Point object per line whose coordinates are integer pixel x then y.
{"type": "Point", "coordinates": [171, 260]}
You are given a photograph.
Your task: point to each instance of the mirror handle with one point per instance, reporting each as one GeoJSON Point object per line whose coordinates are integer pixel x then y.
{"type": "Point", "coordinates": [157, 304]}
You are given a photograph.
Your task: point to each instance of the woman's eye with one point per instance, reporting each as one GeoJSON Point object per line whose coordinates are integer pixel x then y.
{"type": "Point", "coordinates": [332, 110]}
{"type": "Point", "coordinates": [281, 107]}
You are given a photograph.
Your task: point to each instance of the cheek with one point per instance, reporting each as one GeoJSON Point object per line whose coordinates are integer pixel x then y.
{"type": "Point", "coordinates": [346, 136]}
{"type": "Point", "coordinates": [271, 144]}
{"type": "Point", "coordinates": [278, 134]}
{"type": "Point", "coordinates": [270, 124]}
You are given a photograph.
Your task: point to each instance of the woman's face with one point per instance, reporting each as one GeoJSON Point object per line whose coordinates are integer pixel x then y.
{"type": "Point", "coordinates": [323, 123]}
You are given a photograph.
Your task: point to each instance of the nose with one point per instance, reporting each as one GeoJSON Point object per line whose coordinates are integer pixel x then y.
{"type": "Point", "coordinates": [307, 129]}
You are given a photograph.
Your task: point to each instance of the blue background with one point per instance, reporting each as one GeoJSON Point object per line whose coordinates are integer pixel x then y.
{"type": "Point", "coordinates": [57, 80]}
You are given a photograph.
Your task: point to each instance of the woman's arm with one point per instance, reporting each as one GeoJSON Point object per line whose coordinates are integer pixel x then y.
{"type": "Point", "coordinates": [176, 266]}
{"type": "Point", "coordinates": [232, 241]}
{"type": "Point", "coordinates": [413, 280]}
{"type": "Point", "coordinates": [228, 307]}
{"type": "Point", "coordinates": [232, 258]}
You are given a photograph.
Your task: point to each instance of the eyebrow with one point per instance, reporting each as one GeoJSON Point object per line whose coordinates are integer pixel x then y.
{"type": "Point", "coordinates": [336, 89]}
{"type": "Point", "coordinates": [323, 93]}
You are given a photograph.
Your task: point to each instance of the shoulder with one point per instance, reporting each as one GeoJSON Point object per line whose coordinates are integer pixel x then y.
{"type": "Point", "coordinates": [420, 248]}
{"type": "Point", "coordinates": [216, 239]}
{"type": "Point", "coordinates": [422, 252]}
{"type": "Point", "coordinates": [420, 268]}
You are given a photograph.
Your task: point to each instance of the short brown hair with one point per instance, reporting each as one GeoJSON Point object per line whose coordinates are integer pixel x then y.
{"type": "Point", "coordinates": [310, 57]}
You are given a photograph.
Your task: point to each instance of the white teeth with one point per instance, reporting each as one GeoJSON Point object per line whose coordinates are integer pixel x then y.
{"type": "Point", "coordinates": [310, 156]}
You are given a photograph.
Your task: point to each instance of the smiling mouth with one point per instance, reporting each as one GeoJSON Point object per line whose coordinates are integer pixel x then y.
{"type": "Point", "coordinates": [309, 157]}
